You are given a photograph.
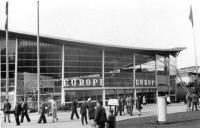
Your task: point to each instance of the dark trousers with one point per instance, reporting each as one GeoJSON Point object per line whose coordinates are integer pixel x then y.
{"type": "Point", "coordinates": [74, 112]}
{"type": "Point", "coordinates": [123, 107]}
{"type": "Point", "coordinates": [17, 119]}
{"type": "Point", "coordinates": [119, 110]}
{"type": "Point", "coordinates": [84, 116]}
{"type": "Point", "coordinates": [101, 125]}
{"type": "Point", "coordinates": [42, 118]}
{"type": "Point", "coordinates": [25, 113]}
{"type": "Point", "coordinates": [8, 116]}
{"type": "Point", "coordinates": [194, 104]}
{"type": "Point", "coordinates": [130, 110]}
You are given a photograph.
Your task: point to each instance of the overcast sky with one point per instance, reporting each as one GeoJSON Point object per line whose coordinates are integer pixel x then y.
{"type": "Point", "coordinates": [135, 23]}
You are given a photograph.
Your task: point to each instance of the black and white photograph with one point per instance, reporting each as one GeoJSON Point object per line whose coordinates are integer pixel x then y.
{"type": "Point", "coordinates": [100, 63]}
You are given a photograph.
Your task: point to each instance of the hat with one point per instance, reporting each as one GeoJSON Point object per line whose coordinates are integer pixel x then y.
{"type": "Point", "coordinates": [89, 99]}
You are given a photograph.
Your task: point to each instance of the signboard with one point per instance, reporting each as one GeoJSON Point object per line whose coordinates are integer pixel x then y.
{"type": "Point", "coordinates": [144, 82]}
{"type": "Point", "coordinates": [113, 102]}
{"type": "Point", "coordinates": [83, 82]}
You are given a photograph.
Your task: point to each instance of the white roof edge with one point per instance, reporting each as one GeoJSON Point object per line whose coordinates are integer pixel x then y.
{"type": "Point", "coordinates": [175, 49]}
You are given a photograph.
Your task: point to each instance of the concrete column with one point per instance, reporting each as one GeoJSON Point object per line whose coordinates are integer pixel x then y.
{"type": "Point", "coordinates": [156, 76]}
{"type": "Point", "coordinates": [63, 68]}
{"type": "Point", "coordinates": [134, 91]}
{"type": "Point", "coordinates": [161, 109]}
{"type": "Point", "coordinates": [168, 76]}
{"type": "Point", "coordinates": [103, 71]}
{"type": "Point", "coordinates": [16, 65]}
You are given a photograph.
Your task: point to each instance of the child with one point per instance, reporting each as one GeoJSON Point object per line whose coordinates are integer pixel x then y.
{"type": "Point", "coordinates": [111, 120]}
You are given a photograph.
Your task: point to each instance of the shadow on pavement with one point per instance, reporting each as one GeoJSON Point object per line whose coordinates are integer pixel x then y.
{"type": "Point", "coordinates": [176, 120]}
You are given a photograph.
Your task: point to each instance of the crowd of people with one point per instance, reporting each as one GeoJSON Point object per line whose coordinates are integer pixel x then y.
{"type": "Point", "coordinates": [21, 109]}
{"type": "Point", "coordinates": [96, 114]}
{"type": "Point", "coordinates": [192, 101]}
{"type": "Point", "coordinates": [128, 104]}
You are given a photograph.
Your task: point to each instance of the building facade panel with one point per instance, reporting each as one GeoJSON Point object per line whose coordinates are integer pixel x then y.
{"type": "Point", "coordinates": [76, 71]}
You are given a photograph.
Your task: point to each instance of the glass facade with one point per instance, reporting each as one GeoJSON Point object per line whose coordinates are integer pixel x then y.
{"type": "Point", "coordinates": [70, 70]}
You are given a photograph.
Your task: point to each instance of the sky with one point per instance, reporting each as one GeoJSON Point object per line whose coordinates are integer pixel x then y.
{"type": "Point", "coordinates": [132, 23]}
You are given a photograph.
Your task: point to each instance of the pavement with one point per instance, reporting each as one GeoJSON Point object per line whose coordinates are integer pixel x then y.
{"type": "Point", "coordinates": [146, 120]}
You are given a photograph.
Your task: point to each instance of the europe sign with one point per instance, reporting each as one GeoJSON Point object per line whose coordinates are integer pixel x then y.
{"type": "Point", "coordinates": [89, 82]}
{"type": "Point", "coordinates": [142, 82]}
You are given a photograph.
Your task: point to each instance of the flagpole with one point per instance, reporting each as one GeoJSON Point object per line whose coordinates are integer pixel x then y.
{"type": "Point", "coordinates": [38, 57]}
{"type": "Point", "coordinates": [194, 39]}
{"type": "Point", "coordinates": [7, 65]}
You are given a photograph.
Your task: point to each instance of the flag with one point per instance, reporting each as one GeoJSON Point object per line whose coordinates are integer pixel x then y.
{"type": "Point", "coordinates": [6, 24]}
{"type": "Point", "coordinates": [191, 15]}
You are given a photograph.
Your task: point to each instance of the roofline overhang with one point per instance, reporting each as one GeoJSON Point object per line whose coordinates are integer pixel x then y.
{"type": "Point", "coordinates": [25, 35]}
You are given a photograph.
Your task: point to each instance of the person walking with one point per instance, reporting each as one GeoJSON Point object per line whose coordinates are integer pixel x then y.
{"type": "Point", "coordinates": [132, 105]}
{"type": "Point", "coordinates": [144, 100]}
{"type": "Point", "coordinates": [100, 115]}
{"type": "Point", "coordinates": [83, 112]}
{"type": "Point", "coordinates": [128, 103]}
{"type": "Point", "coordinates": [54, 110]}
{"type": "Point", "coordinates": [42, 112]}
{"type": "Point", "coordinates": [17, 112]}
{"type": "Point", "coordinates": [188, 99]}
{"type": "Point", "coordinates": [91, 110]}
{"type": "Point", "coordinates": [111, 120]}
{"type": "Point", "coordinates": [25, 112]}
{"type": "Point", "coordinates": [74, 109]}
{"type": "Point", "coordinates": [6, 110]}
{"type": "Point", "coordinates": [119, 107]}
{"type": "Point", "coordinates": [123, 104]}
{"type": "Point", "coordinates": [139, 104]}
{"type": "Point", "coordinates": [194, 101]}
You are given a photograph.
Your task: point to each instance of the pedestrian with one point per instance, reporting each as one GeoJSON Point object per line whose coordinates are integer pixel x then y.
{"type": "Point", "coordinates": [25, 111]}
{"type": "Point", "coordinates": [48, 106]}
{"type": "Point", "coordinates": [128, 104]}
{"type": "Point", "coordinates": [74, 109]}
{"type": "Point", "coordinates": [132, 105]}
{"type": "Point", "coordinates": [83, 112]}
{"type": "Point", "coordinates": [188, 99]}
{"type": "Point", "coordinates": [111, 120]}
{"type": "Point", "coordinates": [139, 104]}
{"type": "Point", "coordinates": [100, 115]}
{"type": "Point", "coordinates": [119, 107]}
{"type": "Point", "coordinates": [42, 112]}
{"type": "Point", "coordinates": [123, 104]}
{"type": "Point", "coordinates": [194, 101]}
{"type": "Point", "coordinates": [91, 111]}
{"type": "Point", "coordinates": [6, 110]}
{"type": "Point", "coordinates": [54, 110]}
{"type": "Point", "coordinates": [17, 112]}
{"type": "Point", "coordinates": [144, 101]}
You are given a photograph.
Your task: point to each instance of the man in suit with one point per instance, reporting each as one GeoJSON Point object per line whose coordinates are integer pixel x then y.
{"type": "Point", "coordinates": [6, 110]}
{"type": "Point", "coordinates": [25, 112]}
{"type": "Point", "coordinates": [100, 115]}
{"type": "Point", "coordinates": [17, 112]}
{"type": "Point", "coordinates": [74, 109]}
{"type": "Point", "coordinates": [91, 110]}
{"type": "Point", "coordinates": [194, 101]}
{"type": "Point", "coordinates": [42, 113]}
{"type": "Point", "coordinates": [83, 112]}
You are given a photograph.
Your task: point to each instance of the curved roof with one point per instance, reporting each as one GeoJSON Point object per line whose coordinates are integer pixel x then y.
{"type": "Point", "coordinates": [73, 42]}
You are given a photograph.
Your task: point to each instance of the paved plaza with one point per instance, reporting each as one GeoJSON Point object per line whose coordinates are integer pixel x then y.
{"type": "Point", "coordinates": [148, 114]}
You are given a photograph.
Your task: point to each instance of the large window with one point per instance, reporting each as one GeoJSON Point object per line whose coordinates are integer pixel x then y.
{"type": "Point", "coordinates": [27, 71]}
{"type": "Point", "coordinates": [82, 63]}
{"type": "Point", "coordinates": [11, 67]}
{"type": "Point", "coordinates": [118, 71]}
